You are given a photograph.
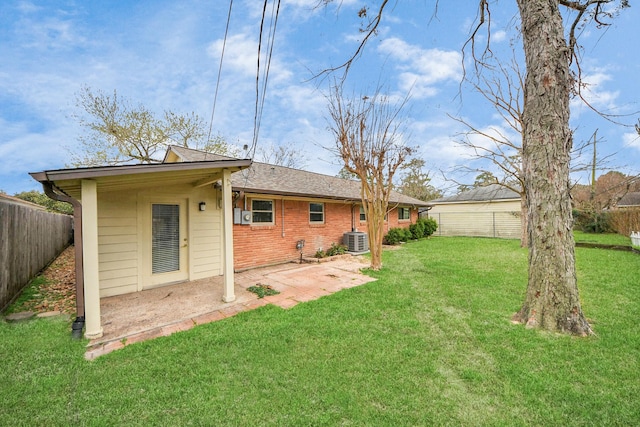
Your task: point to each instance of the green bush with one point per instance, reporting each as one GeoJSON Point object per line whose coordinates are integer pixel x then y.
{"type": "Point", "coordinates": [336, 250]}
{"type": "Point", "coordinates": [430, 226]}
{"type": "Point", "coordinates": [417, 230]}
{"type": "Point", "coordinates": [395, 236]}
{"type": "Point", "coordinates": [592, 222]}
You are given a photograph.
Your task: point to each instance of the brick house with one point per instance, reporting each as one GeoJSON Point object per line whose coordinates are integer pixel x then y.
{"type": "Point", "coordinates": [276, 207]}
{"type": "Point", "coordinates": [195, 216]}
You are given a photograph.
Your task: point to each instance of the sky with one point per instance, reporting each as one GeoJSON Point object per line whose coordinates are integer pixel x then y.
{"type": "Point", "coordinates": [166, 55]}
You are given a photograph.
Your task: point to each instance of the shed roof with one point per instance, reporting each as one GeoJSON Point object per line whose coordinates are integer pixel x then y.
{"type": "Point", "coordinates": [123, 177]}
{"type": "Point", "coordinates": [491, 192]}
{"type": "Point", "coordinates": [629, 200]}
{"type": "Point", "coordinates": [264, 178]}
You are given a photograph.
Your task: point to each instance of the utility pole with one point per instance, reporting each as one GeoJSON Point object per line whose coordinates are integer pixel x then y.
{"type": "Point", "coordinates": [593, 168]}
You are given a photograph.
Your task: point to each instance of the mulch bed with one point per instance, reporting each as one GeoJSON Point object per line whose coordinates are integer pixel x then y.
{"type": "Point", "coordinates": [57, 293]}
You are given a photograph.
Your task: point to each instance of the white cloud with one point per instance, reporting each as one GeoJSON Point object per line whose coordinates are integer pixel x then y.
{"type": "Point", "coordinates": [594, 91]}
{"type": "Point", "coordinates": [631, 139]}
{"type": "Point", "coordinates": [422, 69]}
{"type": "Point", "coordinates": [499, 36]}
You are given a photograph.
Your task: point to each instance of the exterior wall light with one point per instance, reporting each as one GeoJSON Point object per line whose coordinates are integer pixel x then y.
{"type": "Point", "coordinates": [202, 206]}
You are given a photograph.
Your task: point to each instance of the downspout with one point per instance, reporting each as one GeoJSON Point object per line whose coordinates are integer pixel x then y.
{"type": "Point", "coordinates": [353, 217]}
{"type": "Point", "coordinates": [282, 202]}
{"type": "Point", "coordinates": [49, 190]}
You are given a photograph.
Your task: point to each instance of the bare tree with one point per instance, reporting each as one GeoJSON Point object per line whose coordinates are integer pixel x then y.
{"type": "Point", "coordinates": [283, 155]}
{"type": "Point", "coordinates": [119, 133]}
{"type": "Point", "coordinates": [552, 301]}
{"type": "Point", "coordinates": [368, 137]}
{"type": "Point", "coordinates": [502, 86]}
{"type": "Point", "coordinates": [503, 90]}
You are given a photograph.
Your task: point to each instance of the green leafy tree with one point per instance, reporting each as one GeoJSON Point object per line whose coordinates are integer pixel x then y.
{"type": "Point", "coordinates": [484, 179]}
{"type": "Point", "coordinates": [119, 133]}
{"type": "Point", "coordinates": [416, 183]}
{"type": "Point", "coordinates": [345, 174]}
{"type": "Point", "coordinates": [43, 200]}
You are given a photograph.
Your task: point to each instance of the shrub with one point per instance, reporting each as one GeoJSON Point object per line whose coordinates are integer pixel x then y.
{"type": "Point", "coordinates": [395, 236]}
{"type": "Point", "coordinates": [336, 250]}
{"type": "Point", "coordinates": [624, 221]}
{"type": "Point", "coordinates": [591, 222]}
{"type": "Point", "coordinates": [417, 230]}
{"type": "Point", "coordinates": [430, 226]}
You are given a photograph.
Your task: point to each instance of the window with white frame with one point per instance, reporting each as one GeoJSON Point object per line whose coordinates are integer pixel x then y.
{"type": "Point", "coordinates": [262, 211]}
{"type": "Point", "coordinates": [316, 213]}
{"type": "Point", "coordinates": [363, 215]}
{"type": "Point", "coordinates": [404, 214]}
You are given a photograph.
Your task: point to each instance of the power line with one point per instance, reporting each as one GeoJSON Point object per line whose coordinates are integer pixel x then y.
{"type": "Point", "coordinates": [215, 96]}
{"type": "Point", "coordinates": [261, 94]}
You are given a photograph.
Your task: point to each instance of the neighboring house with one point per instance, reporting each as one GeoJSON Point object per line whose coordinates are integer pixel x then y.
{"type": "Point", "coordinates": [490, 211]}
{"type": "Point", "coordinates": [198, 215]}
{"type": "Point", "coordinates": [276, 207]}
{"type": "Point", "coordinates": [629, 201]}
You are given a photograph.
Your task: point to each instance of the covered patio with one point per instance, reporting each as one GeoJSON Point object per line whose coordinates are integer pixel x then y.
{"type": "Point", "coordinates": [148, 314]}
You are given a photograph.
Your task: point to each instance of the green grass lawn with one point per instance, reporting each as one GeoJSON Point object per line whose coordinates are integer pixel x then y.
{"type": "Point", "coordinates": [602, 238]}
{"type": "Point", "coordinates": [429, 343]}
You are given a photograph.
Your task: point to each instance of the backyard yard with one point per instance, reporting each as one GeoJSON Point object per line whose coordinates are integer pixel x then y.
{"type": "Point", "coordinates": [428, 343]}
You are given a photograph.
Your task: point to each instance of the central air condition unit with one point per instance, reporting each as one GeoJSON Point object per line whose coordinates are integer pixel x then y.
{"type": "Point", "coordinates": [356, 241]}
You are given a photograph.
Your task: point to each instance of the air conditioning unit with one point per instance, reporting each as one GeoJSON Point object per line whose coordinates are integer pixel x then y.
{"type": "Point", "coordinates": [356, 241]}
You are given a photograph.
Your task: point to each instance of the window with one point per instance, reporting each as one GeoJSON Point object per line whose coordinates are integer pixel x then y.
{"type": "Point", "coordinates": [404, 213]}
{"type": "Point", "coordinates": [262, 211]}
{"type": "Point", "coordinates": [165, 238]}
{"type": "Point", "coordinates": [363, 215]}
{"type": "Point", "coordinates": [316, 212]}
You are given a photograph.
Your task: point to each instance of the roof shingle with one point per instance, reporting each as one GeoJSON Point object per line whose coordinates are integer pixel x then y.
{"type": "Point", "coordinates": [272, 179]}
{"type": "Point", "coordinates": [480, 194]}
{"type": "Point", "coordinates": [630, 199]}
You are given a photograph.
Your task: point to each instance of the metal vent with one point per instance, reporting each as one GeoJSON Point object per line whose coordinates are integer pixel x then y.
{"type": "Point", "coordinates": [356, 241]}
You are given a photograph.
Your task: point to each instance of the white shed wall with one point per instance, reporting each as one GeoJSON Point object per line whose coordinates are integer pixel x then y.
{"type": "Point", "coordinates": [482, 219]}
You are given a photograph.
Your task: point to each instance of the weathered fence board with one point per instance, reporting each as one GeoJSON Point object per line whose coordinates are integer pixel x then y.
{"type": "Point", "coordinates": [30, 238]}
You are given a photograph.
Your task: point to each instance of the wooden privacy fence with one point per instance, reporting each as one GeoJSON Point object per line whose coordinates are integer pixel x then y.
{"type": "Point", "coordinates": [30, 238]}
{"type": "Point", "coordinates": [504, 225]}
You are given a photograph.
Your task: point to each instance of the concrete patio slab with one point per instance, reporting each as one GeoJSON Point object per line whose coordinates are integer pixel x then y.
{"type": "Point", "coordinates": [139, 316]}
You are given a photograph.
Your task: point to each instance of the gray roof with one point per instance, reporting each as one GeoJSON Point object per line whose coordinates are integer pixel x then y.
{"type": "Point", "coordinates": [265, 178]}
{"type": "Point", "coordinates": [488, 193]}
{"type": "Point", "coordinates": [630, 199]}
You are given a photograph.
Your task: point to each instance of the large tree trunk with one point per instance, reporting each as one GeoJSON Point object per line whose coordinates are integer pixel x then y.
{"type": "Point", "coordinates": [524, 221]}
{"type": "Point", "coordinates": [552, 301]}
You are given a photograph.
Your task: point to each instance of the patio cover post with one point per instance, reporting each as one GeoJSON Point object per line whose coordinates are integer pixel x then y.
{"type": "Point", "coordinates": [89, 199]}
{"type": "Point", "coordinates": [227, 237]}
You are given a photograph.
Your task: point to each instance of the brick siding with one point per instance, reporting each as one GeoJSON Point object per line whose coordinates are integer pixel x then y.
{"type": "Point", "coordinates": [257, 245]}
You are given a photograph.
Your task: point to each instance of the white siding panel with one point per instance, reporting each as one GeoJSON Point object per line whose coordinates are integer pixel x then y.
{"type": "Point", "coordinates": [118, 247]}
{"type": "Point", "coordinates": [119, 288]}
{"type": "Point", "coordinates": [118, 243]}
{"type": "Point", "coordinates": [481, 224]}
{"type": "Point", "coordinates": [206, 237]}
{"type": "Point", "coordinates": [118, 273]}
{"type": "Point", "coordinates": [116, 265]}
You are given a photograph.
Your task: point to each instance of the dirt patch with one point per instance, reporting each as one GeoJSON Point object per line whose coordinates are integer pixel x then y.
{"type": "Point", "coordinates": [53, 289]}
